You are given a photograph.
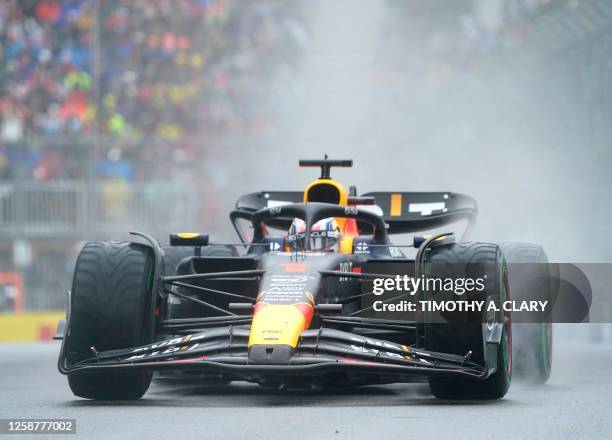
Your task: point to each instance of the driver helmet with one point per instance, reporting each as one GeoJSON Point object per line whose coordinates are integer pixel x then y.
{"type": "Point", "coordinates": [324, 235]}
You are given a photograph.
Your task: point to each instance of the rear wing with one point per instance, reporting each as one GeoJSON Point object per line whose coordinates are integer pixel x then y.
{"type": "Point", "coordinates": [404, 212]}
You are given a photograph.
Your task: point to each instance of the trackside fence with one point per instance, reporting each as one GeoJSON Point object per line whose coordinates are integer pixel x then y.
{"type": "Point", "coordinates": [67, 210]}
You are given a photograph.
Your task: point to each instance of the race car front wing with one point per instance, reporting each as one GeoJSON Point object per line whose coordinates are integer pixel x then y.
{"type": "Point", "coordinates": [224, 350]}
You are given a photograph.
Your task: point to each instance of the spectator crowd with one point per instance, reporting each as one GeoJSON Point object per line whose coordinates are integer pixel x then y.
{"type": "Point", "coordinates": [138, 88]}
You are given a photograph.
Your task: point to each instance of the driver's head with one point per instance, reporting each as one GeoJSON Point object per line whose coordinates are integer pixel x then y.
{"type": "Point", "coordinates": [324, 235]}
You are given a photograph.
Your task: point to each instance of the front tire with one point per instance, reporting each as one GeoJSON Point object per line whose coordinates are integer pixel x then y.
{"type": "Point", "coordinates": [472, 260]}
{"type": "Point", "coordinates": [110, 309]}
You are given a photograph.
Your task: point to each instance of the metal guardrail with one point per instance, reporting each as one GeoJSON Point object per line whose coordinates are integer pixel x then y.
{"type": "Point", "coordinates": [57, 210]}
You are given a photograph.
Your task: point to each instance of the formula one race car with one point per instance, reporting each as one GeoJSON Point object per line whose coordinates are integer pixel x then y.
{"type": "Point", "coordinates": [294, 304]}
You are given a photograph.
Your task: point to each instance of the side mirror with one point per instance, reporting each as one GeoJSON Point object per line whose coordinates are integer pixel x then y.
{"type": "Point", "coordinates": [188, 239]}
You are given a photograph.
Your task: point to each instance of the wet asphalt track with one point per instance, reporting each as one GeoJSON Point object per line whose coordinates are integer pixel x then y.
{"type": "Point", "coordinates": [576, 404]}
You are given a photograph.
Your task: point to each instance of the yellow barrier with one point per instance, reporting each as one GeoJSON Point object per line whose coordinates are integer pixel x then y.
{"type": "Point", "coordinates": [30, 326]}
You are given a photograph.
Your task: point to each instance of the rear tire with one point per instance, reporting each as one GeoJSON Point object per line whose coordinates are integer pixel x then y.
{"type": "Point", "coordinates": [110, 309]}
{"type": "Point", "coordinates": [533, 349]}
{"type": "Point", "coordinates": [474, 260]}
{"type": "Point", "coordinates": [177, 308]}
{"type": "Point", "coordinates": [173, 255]}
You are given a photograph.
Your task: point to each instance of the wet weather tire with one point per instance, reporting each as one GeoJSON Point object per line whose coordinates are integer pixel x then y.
{"type": "Point", "coordinates": [110, 309]}
{"type": "Point", "coordinates": [177, 308]}
{"type": "Point", "coordinates": [533, 347]}
{"type": "Point", "coordinates": [472, 260]}
{"type": "Point", "coordinates": [173, 255]}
